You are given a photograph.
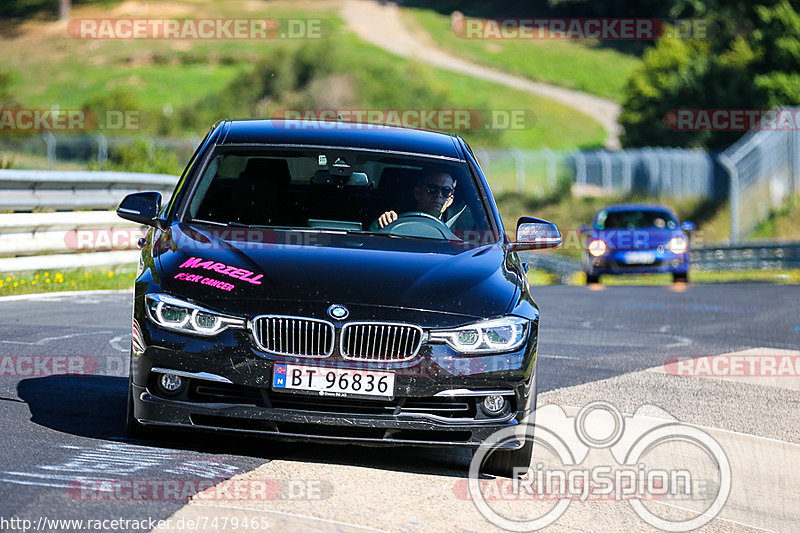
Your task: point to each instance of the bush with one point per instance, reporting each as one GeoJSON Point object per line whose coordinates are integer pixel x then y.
{"type": "Point", "coordinates": [142, 156]}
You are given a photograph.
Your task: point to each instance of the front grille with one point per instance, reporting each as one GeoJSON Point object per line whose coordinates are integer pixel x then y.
{"type": "Point", "coordinates": [373, 341]}
{"type": "Point", "coordinates": [210, 392]}
{"type": "Point", "coordinates": [294, 336]}
{"type": "Point", "coordinates": [441, 407]}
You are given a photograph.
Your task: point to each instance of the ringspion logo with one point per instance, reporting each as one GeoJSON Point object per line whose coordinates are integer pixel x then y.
{"type": "Point", "coordinates": [600, 454]}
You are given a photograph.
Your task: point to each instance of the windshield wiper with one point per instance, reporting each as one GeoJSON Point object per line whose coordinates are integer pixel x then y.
{"type": "Point", "coordinates": [213, 222]}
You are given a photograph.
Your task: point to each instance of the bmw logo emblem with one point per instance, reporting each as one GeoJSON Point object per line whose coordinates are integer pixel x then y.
{"type": "Point", "coordinates": [339, 312]}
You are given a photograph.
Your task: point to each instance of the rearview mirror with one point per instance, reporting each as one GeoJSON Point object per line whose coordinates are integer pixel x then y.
{"type": "Point", "coordinates": [536, 234]}
{"type": "Point", "coordinates": [354, 179]}
{"type": "Point", "coordinates": [141, 207]}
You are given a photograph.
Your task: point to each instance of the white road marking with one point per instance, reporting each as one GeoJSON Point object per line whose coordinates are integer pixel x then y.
{"type": "Point", "coordinates": [35, 483]}
{"type": "Point", "coordinates": [715, 518]}
{"type": "Point", "coordinates": [56, 295]}
{"type": "Point", "coordinates": [682, 341]}
{"type": "Point", "coordinates": [698, 426]}
{"type": "Point", "coordinates": [121, 348]}
{"type": "Point", "coordinates": [45, 340]}
{"type": "Point", "coordinates": [549, 356]}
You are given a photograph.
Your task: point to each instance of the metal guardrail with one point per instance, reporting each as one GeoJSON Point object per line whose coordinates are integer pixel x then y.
{"type": "Point", "coordinates": [71, 238]}
{"type": "Point", "coordinates": [561, 266]}
{"type": "Point", "coordinates": [28, 190]}
{"type": "Point", "coordinates": [95, 237]}
{"type": "Point", "coordinates": [757, 256]}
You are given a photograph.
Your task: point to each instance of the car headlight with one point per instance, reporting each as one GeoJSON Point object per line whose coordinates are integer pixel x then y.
{"type": "Point", "coordinates": [495, 335]}
{"type": "Point", "coordinates": [677, 245]}
{"type": "Point", "coordinates": [597, 247]}
{"type": "Point", "coordinates": [172, 313]}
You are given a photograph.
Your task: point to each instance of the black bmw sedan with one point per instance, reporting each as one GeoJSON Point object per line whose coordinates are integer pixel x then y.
{"type": "Point", "coordinates": [339, 282]}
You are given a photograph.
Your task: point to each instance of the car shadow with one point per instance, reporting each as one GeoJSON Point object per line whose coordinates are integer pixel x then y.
{"type": "Point", "coordinates": [94, 406]}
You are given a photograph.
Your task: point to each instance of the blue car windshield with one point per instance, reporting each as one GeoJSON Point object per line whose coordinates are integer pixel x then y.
{"type": "Point", "coordinates": [635, 218]}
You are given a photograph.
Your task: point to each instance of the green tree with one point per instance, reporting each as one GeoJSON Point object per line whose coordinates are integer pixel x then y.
{"type": "Point", "coordinates": [750, 61]}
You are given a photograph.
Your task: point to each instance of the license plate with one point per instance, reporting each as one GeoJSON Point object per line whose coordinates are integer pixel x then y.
{"type": "Point", "coordinates": [332, 381]}
{"type": "Point", "coordinates": [640, 258]}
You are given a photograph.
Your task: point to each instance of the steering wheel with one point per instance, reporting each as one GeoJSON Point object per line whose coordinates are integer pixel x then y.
{"type": "Point", "coordinates": [418, 224]}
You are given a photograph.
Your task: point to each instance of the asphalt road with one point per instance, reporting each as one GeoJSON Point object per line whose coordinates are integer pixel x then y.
{"type": "Point", "coordinates": [63, 435]}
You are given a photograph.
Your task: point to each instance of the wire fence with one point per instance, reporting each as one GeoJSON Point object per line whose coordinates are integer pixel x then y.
{"type": "Point", "coordinates": [659, 172]}
{"type": "Point", "coordinates": [764, 169]}
{"type": "Point", "coordinates": [93, 151]}
{"type": "Point", "coordinates": [758, 173]}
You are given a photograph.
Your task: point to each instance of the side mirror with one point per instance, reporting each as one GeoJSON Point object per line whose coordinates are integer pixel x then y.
{"type": "Point", "coordinates": [688, 226]}
{"type": "Point", "coordinates": [536, 234]}
{"type": "Point", "coordinates": [141, 207]}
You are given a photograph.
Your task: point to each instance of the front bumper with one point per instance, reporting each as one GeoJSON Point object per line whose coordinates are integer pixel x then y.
{"type": "Point", "coordinates": [616, 262]}
{"type": "Point", "coordinates": [233, 393]}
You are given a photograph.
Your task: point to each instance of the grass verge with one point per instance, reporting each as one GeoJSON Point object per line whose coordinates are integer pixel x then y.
{"type": "Point", "coordinates": [183, 86]}
{"type": "Point", "coordinates": [67, 280]}
{"type": "Point", "coordinates": [580, 65]}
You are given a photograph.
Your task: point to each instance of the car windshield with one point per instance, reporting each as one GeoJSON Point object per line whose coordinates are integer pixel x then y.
{"type": "Point", "coordinates": [337, 190]}
{"type": "Point", "coordinates": [635, 218]}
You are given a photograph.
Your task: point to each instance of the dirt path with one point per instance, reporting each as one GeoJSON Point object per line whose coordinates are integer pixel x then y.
{"type": "Point", "coordinates": [380, 24]}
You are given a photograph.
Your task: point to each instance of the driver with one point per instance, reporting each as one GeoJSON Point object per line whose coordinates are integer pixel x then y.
{"type": "Point", "coordinates": [434, 194]}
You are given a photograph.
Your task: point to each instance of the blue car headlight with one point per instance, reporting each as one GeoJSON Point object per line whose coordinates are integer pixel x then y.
{"type": "Point", "coordinates": [677, 245]}
{"type": "Point", "coordinates": [179, 315]}
{"type": "Point", "coordinates": [488, 336]}
{"type": "Point", "coordinates": [597, 248]}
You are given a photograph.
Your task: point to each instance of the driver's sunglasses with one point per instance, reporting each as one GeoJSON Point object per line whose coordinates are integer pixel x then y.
{"type": "Point", "coordinates": [432, 189]}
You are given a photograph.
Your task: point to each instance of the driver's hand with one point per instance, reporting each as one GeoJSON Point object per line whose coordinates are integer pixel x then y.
{"type": "Point", "coordinates": [387, 218]}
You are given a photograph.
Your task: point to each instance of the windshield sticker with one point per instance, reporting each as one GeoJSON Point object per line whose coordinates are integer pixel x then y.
{"type": "Point", "coordinates": [199, 278]}
{"type": "Point", "coordinates": [222, 268]}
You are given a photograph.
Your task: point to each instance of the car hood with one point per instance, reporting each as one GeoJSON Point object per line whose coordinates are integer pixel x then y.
{"type": "Point", "coordinates": [332, 268]}
{"type": "Point", "coordinates": [635, 239]}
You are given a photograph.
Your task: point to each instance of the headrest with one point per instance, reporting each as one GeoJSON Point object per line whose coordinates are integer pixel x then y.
{"type": "Point", "coordinates": [273, 170]}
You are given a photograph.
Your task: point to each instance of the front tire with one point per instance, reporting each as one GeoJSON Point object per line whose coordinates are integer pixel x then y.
{"type": "Point", "coordinates": [592, 278]}
{"type": "Point", "coordinates": [502, 463]}
{"type": "Point", "coordinates": [680, 277]}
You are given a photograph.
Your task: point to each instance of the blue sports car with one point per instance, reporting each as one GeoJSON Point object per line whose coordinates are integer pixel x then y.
{"type": "Point", "coordinates": [636, 239]}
